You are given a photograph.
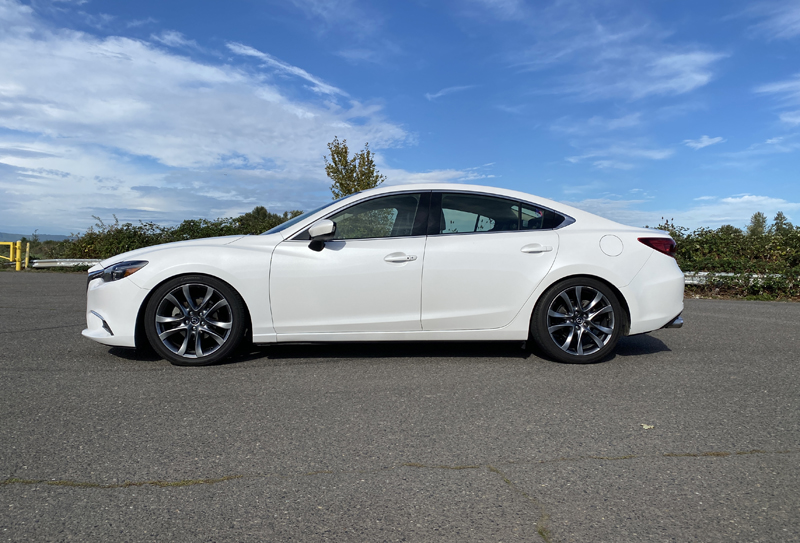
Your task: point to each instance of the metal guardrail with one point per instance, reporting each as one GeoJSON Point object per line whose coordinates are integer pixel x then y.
{"type": "Point", "coordinates": [15, 253]}
{"type": "Point", "coordinates": [64, 262]}
{"type": "Point", "coordinates": [702, 278]}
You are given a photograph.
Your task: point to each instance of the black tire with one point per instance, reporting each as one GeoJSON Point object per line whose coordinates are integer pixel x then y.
{"type": "Point", "coordinates": [195, 320]}
{"type": "Point", "coordinates": [577, 335]}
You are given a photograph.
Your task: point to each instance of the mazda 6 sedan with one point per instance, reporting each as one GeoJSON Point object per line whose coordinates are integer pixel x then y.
{"type": "Point", "coordinates": [416, 262]}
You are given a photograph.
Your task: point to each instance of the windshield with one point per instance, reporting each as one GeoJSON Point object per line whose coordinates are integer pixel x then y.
{"type": "Point", "coordinates": [299, 218]}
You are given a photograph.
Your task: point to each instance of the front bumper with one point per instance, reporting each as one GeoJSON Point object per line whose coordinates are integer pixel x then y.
{"type": "Point", "coordinates": [111, 311]}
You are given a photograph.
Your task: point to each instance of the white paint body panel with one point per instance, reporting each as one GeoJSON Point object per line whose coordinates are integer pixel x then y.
{"type": "Point", "coordinates": [478, 286]}
{"type": "Point", "coordinates": [347, 287]}
{"type": "Point", "coordinates": [481, 280]}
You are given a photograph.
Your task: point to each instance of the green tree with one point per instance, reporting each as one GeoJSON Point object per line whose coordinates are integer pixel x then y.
{"type": "Point", "coordinates": [758, 224]}
{"type": "Point", "coordinates": [350, 174]}
{"type": "Point", "coordinates": [780, 224]}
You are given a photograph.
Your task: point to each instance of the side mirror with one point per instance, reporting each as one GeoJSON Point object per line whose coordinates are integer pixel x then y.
{"type": "Point", "coordinates": [321, 231]}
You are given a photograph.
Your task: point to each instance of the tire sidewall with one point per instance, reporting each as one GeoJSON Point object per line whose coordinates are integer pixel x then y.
{"type": "Point", "coordinates": [541, 335]}
{"type": "Point", "coordinates": [237, 313]}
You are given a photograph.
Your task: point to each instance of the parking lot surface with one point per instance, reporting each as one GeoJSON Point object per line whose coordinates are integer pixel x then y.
{"type": "Point", "coordinates": [685, 435]}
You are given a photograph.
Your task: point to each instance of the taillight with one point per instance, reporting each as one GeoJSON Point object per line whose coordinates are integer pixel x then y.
{"type": "Point", "coordinates": [662, 245]}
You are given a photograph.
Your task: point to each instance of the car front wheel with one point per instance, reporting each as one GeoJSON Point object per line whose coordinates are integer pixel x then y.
{"type": "Point", "coordinates": [577, 321]}
{"type": "Point", "coordinates": [195, 320]}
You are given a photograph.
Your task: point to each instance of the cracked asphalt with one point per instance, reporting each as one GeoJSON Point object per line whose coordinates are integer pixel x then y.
{"type": "Point", "coordinates": [399, 442]}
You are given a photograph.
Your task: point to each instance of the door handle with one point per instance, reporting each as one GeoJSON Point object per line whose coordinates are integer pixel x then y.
{"type": "Point", "coordinates": [536, 248]}
{"type": "Point", "coordinates": [399, 257]}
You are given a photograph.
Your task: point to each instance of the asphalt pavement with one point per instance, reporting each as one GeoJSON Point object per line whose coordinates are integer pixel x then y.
{"type": "Point", "coordinates": [685, 435]}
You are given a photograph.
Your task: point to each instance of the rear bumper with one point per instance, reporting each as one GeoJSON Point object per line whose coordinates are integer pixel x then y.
{"type": "Point", "coordinates": [655, 295]}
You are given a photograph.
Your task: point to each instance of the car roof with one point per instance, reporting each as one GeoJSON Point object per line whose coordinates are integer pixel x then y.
{"type": "Point", "coordinates": [574, 212]}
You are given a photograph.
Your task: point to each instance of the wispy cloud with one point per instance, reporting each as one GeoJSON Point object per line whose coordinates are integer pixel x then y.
{"type": "Point", "coordinates": [777, 20]}
{"type": "Point", "coordinates": [596, 124]}
{"type": "Point", "coordinates": [710, 212]}
{"type": "Point", "coordinates": [507, 10]}
{"type": "Point", "coordinates": [612, 164]}
{"type": "Point", "coordinates": [789, 89]}
{"type": "Point", "coordinates": [355, 17]}
{"type": "Point", "coordinates": [172, 38]}
{"type": "Point", "coordinates": [449, 90]}
{"type": "Point", "coordinates": [788, 94]}
{"type": "Point", "coordinates": [603, 50]}
{"type": "Point", "coordinates": [316, 84]}
{"type": "Point", "coordinates": [791, 117]}
{"type": "Point", "coordinates": [704, 141]}
{"type": "Point", "coordinates": [609, 156]}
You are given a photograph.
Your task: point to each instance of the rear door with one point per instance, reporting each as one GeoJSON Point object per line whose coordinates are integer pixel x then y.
{"type": "Point", "coordinates": [483, 259]}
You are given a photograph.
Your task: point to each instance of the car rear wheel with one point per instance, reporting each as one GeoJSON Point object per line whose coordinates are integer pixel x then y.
{"type": "Point", "coordinates": [195, 320]}
{"type": "Point", "coordinates": [577, 321]}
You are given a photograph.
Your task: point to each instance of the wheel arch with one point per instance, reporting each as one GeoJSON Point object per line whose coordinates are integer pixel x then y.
{"type": "Point", "coordinates": [623, 302]}
{"type": "Point", "coordinates": [140, 338]}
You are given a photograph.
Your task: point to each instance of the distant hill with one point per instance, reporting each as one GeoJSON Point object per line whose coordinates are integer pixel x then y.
{"type": "Point", "coordinates": [4, 236]}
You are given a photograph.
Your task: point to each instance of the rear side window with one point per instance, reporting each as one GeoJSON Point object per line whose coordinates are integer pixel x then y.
{"type": "Point", "coordinates": [476, 213]}
{"type": "Point", "coordinates": [537, 218]}
{"type": "Point", "coordinates": [465, 213]}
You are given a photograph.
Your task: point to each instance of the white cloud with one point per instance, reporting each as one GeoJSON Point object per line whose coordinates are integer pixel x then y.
{"type": "Point", "coordinates": [791, 117]}
{"type": "Point", "coordinates": [609, 155]}
{"type": "Point", "coordinates": [597, 123]}
{"type": "Point", "coordinates": [610, 51]}
{"type": "Point", "coordinates": [612, 164]}
{"type": "Point", "coordinates": [269, 60]}
{"type": "Point", "coordinates": [133, 129]}
{"type": "Point", "coordinates": [353, 17]}
{"type": "Point", "coordinates": [780, 20]}
{"type": "Point", "coordinates": [508, 10]}
{"type": "Point", "coordinates": [446, 91]}
{"type": "Point", "coordinates": [402, 177]}
{"type": "Point", "coordinates": [704, 141]}
{"type": "Point", "coordinates": [789, 89]}
{"type": "Point", "coordinates": [172, 38]}
{"type": "Point", "coordinates": [734, 210]}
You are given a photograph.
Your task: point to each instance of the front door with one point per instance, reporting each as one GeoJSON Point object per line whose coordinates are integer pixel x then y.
{"type": "Point", "coordinates": [368, 279]}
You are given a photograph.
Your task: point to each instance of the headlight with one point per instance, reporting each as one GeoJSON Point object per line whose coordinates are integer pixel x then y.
{"type": "Point", "coordinates": [122, 270]}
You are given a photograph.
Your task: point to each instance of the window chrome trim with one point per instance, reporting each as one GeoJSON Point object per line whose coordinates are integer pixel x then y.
{"type": "Point", "coordinates": [568, 220]}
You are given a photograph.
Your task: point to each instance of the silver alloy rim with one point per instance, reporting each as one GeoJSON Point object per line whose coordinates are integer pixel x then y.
{"type": "Point", "coordinates": [193, 320]}
{"type": "Point", "coordinates": [580, 320]}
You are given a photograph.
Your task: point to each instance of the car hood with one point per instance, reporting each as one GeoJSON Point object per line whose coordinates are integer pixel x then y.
{"type": "Point", "coordinates": [141, 254]}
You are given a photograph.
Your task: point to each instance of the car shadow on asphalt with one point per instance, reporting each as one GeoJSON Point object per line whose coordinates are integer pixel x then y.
{"type": "Point", "coordinates": [422, 349]}
{"type": "Point", "coordinates": [641, 344]}
{"type": "Point", "coordinates": [313, 352]}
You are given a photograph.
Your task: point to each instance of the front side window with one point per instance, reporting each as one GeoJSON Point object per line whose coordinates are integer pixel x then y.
{"type": "Point", "coordinates": [384, 217]}
{"type": "Point", "coordinates": [477, 213]}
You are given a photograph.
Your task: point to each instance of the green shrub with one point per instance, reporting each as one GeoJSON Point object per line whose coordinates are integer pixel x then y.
{"type": "Point", "coordinates": [106, 240]}
{"type": "Point", "coordinates": [765, 260]}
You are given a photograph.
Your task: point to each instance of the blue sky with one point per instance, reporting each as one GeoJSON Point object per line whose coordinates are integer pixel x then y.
{"type": "Point", "coordinates": [168, 110]}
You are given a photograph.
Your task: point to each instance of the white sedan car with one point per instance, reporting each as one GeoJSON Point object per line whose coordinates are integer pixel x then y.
{"type": "Point", "coordinates": [415, 262]}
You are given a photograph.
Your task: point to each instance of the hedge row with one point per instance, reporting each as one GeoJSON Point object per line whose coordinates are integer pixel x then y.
{"type": "Point", "coordinates": [765, 259]}
{"type": "Point", "coordinates": [106, 240]}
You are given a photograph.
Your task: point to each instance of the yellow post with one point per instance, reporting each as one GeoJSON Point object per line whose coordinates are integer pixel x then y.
{"type": "Point", "coordinates": [18, 256]}
{"type": "Point", "coordinates": [27, 254]}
